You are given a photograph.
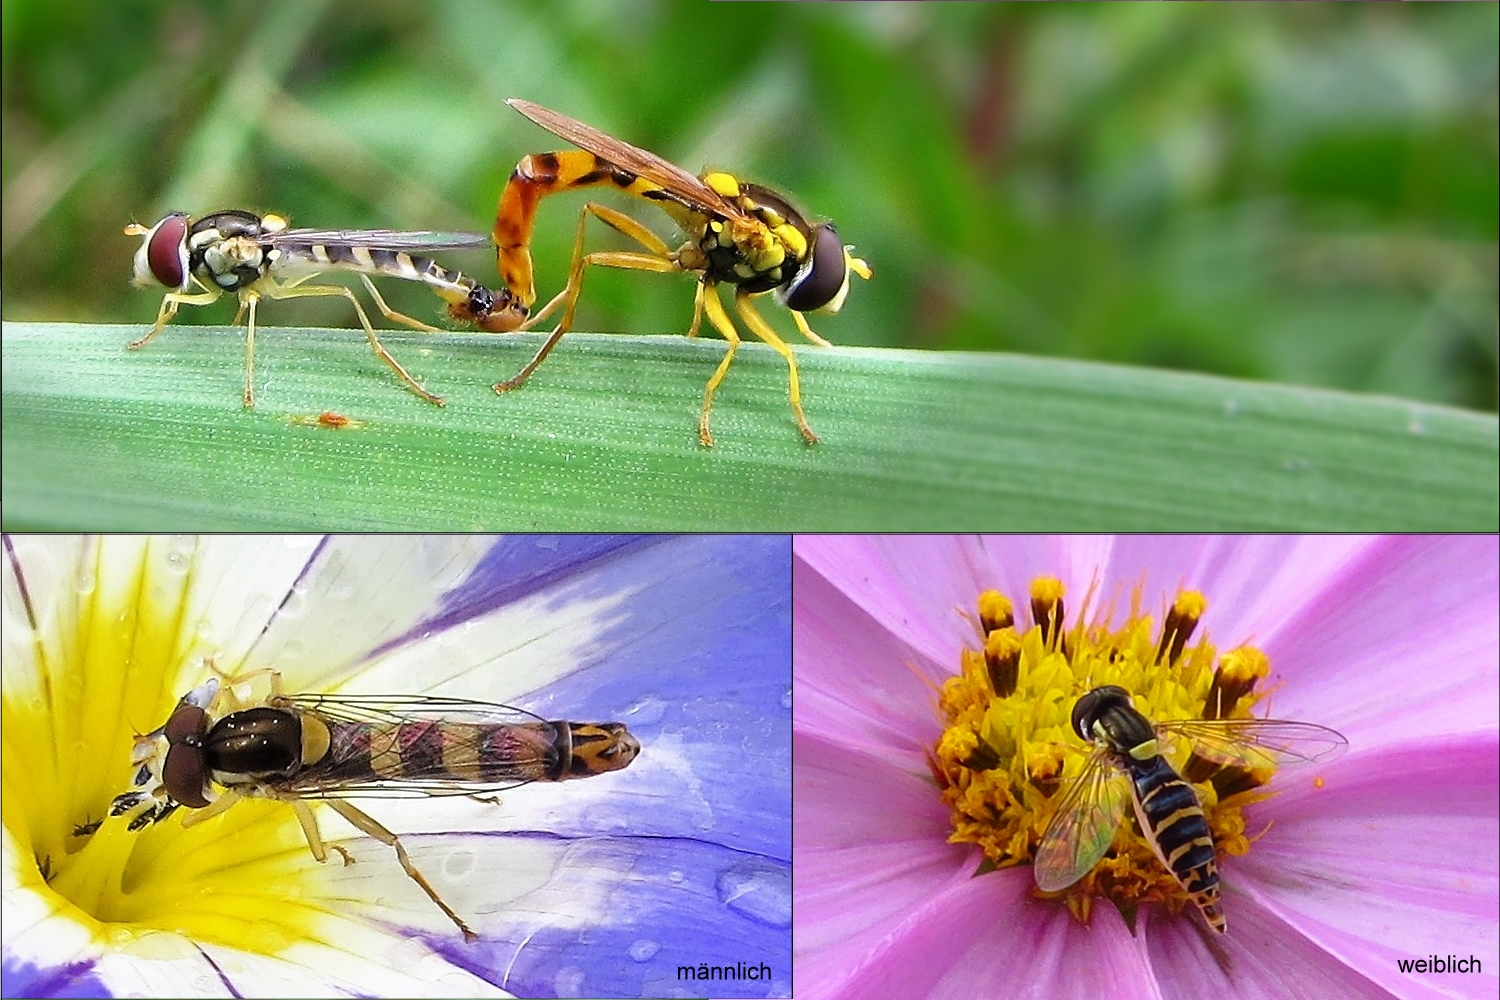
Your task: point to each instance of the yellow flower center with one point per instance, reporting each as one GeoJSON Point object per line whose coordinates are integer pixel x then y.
{"type": "Point", "coordinates": [245, 879]}
{"type": "Point", "coordinates": [1008, 748]}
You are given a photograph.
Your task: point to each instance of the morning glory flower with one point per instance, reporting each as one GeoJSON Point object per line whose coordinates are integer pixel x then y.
{"type": "Point", "coordinates": [915, 880]}
{"type": "Point", "coordinates": [604, 886]}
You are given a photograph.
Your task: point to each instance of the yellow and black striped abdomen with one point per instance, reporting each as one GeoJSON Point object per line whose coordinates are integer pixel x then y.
{"type": "Point", "coordinates": [1173, 822]}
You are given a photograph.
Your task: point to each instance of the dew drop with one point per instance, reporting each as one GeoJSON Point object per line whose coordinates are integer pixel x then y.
{"type": "Point", "coordinates": [569, 982]}
{"type": "Point", "coordinates": [180, 551]}
{"type": "Point", "coordinates": [758, 890]}
{"type": "Point", "coordinates": [643, 950]}
{"type": "Point", "coordinates": [459, 864]}
{"type": "Point", "coordinates": [647, 711]}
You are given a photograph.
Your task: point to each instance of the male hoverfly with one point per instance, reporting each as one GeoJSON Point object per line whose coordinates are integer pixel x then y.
{"type": "Point", "coordinates": [258, 257]}
{"type": "Point", "coordinates": [737, 233]}
{"type": "Point", "coordinates": [297, 748]}
{"type": "Point", "coordinates": [1127, 763]}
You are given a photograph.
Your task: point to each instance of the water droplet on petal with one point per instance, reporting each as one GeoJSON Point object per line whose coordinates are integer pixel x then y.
{"type": "Point", "coordinates": [759, 890]}
{"type": "Point", "coordinates": [647, 711]}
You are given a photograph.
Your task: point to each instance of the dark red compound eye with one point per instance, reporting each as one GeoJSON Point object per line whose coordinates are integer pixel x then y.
{"type": "Point", "coordinates": [186, 721]}
{"type": "Point", "coordinates": [166, 251]}
{"type": "Point", "coordinates": [184, 773]}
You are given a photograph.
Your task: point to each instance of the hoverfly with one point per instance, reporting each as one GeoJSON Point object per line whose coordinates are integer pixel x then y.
{"type": "Point", "coordinates": [317, 747]}
{"type": "Point", "coordinates": [1127, 763]}
{"type": "Point", "coordinates": [737, 233]}
{"type": "Point", "coordinates": [258, 257]}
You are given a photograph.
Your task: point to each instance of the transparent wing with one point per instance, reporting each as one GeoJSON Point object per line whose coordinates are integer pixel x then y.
{"type": "Point", "coordinates": [396, 709]}
{"type": "Point", "coordinates": [672, 178]}
{"type": "Point", "coordinates": [464, 730]}
{"type": "Point", "coordinates": [382, 239]}
{"type": "Point", "coordinates": [1083, 826]}
{"type": "Point", "coordinates": [1258, 743]}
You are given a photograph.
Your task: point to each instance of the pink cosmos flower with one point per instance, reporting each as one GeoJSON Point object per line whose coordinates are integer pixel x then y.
{"type": "Point", "coordinates": [1383, 857]}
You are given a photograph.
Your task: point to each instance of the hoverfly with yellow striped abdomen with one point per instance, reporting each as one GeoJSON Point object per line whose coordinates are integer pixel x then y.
{"type": "Point", "coordinates": [736, 233]}
{"type": "Point", "coordinates": [1128, 764]}
{"type": "Point", "coordinates": [218, 747]}
{"type": "Point", "coordinates": [258, 257]}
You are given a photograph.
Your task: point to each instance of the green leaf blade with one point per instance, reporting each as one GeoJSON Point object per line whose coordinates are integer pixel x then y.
{"type": "Point", "coordinates": [604, 437]}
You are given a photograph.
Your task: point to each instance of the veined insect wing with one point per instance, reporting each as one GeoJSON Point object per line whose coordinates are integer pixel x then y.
{"type": "Point", "coordinates": [384, 239]}
{"type": "Point", "coordinates": [1083, 825]}
{"type": "Point", "coordinates": [403, 747]}
{"type": "Point", "coordinates": [1257, 743]}
{"type": "Point", "coordinates": [641, 162]}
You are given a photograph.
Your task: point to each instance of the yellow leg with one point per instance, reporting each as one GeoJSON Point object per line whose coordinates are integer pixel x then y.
{"type": "Point", "coordinates": [214, 808]}
{"type": "Point", "coordinates": [380, 833]}
{"type": "Point", "coordinates": [169, 304]}
{"type": "Point", "coordinates": [315, 843]}
{"type": "Point", "coordinates": [621, 223]}
{"type": "Point", "coordinates": [249, 298]}
{"type": "Point", "coordinates": [697, 310]}
{"type": "Point", "coordinates": [807, 331]}
{"type": "Point", "coordinates": [720, 319]}
{"type": "Point", "coordinates": [392, 314]}
{"type": "Point", "coordinates": [758, 326]}
{"type": "Point", "coordinates": [272, 290]}
{"type": "Point", "coordinates": [228, 701]}
{"type": "Point", "coordinates": [657, 258]}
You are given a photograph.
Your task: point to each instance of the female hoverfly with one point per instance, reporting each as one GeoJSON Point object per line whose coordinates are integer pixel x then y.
{"type": "Point", "coordinates": [1127, 764]}
{"type": "Point", "coordinates": [295, 748]}
{"type": "Point", "coordinates": [737, 233]}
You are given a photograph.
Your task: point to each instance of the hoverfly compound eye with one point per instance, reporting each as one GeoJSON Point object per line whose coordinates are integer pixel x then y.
{"type": "Point", "coordinates": [186, 722]}
{"type": "Point", "coordinates": [823, 280]}
{"type": "Point", "coordinates": [1091, 707]}
{"type": "Point", "coordinates": [184, 773]}
{"type": "Point", "coordinates": [163, 256]}
{"type": "Point", "coordinates": [1083, 713]}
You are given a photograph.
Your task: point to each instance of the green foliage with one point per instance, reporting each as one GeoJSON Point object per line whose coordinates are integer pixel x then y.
{"type": "Point", "coordinates": [1299, 193]}
{"type": "Point", "coordinates": [1290, 193]}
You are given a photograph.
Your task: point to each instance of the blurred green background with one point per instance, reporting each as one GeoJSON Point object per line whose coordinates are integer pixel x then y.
{"type": "Point", "coordinates": [1298, 192]}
